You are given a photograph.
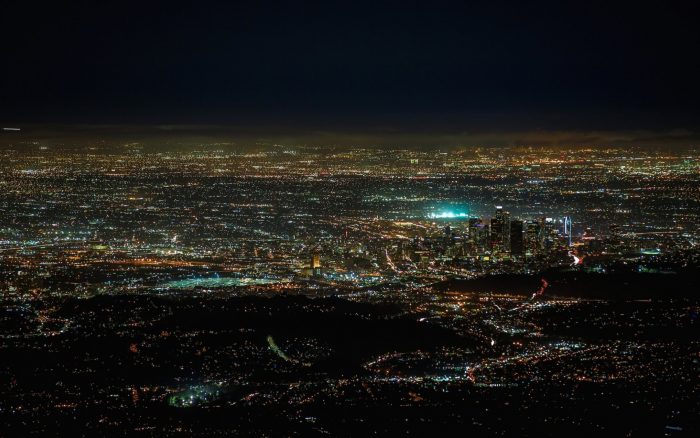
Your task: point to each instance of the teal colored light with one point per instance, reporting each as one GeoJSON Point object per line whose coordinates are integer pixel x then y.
{"type": "Point", "coordinates": [448, 215]}
{"type": "Point", "coordinates": [193, 396]}
{"type": "Point", "coordinates": [216, 282]}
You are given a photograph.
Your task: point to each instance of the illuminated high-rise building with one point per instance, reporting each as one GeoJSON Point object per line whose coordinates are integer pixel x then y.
{"type": "Point", "coordinates": [568, 229]}
{"type": "Point", "coordinates": [500, 230]}
{"type": "Point", "coordinates": [478, 236]}
{"type": "Point", "coordinates": [534, 237]}
{"type": "Point", "coordinates": [316, 264]}
{"type": "Point", "coordinates": [549, 232]}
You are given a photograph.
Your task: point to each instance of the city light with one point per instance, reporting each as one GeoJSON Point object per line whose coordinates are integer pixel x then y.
{"type": "Point", "coordinates": [448, 215]}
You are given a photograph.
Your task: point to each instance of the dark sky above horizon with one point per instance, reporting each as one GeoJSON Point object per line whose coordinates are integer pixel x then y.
{"type": "Point", "coordinates": [440, 66]}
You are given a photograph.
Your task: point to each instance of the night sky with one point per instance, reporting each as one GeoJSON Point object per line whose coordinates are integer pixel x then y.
{"type": "Point", "coordinates": [427, 68]}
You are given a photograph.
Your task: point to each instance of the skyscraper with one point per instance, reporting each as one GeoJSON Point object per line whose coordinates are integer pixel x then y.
{"type": "Point", "coordinates": [500, 230]}
{"type": "Point", "coordinates": [478, 236]}
{"type": "Point", "coordinates": [316, 264]}
{"type": "Point", "coordinates": [568, 232]}
{"type": "Point", "coordinates": [549, 232]}
{"type": "Point", "coordinates": [534, 237]}
{"type": "Point", "coordinates": [516, 238]}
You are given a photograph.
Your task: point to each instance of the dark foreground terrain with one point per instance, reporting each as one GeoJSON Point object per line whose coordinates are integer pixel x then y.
{"type": "Point", "coordinates": [217, 364]}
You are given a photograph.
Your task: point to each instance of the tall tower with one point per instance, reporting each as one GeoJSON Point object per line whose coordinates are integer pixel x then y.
{"type": "Point", "coordinates": [478, 236]}
{"type": "Point", "coordinates": [316, 264]}
{"type": "Point", "coordinates": [500, 230]}
{"type": "Point", "coordinates": [516, 238]}
{"type": "Point", "coordinates": [550, 232]}
{"type": "Point", "coordinates": [533, 236]}
{"type": "Point", "coordinates": [568, 228]}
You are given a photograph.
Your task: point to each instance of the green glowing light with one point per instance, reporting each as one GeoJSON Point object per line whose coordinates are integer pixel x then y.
{"type": "Point", "coordinates": [216, 282]}
{"type": "Point", "coordinates": [194, 395]}
{"type": "Point", "coordinates": [448, 215]}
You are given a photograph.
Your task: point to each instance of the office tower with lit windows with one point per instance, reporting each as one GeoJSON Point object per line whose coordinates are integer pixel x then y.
{"type": "Point", "coordinates": [533, 237]}
{"type": "Point", "coordinates": [500, 231]}
{"type": "Point", "coordinates": [316, 264]}
{"type": "Point", "coordinates": [478, 236]}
